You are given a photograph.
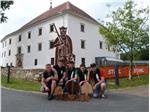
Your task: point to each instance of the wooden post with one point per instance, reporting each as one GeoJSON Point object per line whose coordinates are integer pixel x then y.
{"type": "Point", "coordinates": [8, 74]}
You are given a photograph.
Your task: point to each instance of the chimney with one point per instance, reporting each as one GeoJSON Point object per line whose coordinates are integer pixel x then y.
{"type": "Point", "coordinates": [50, 4]}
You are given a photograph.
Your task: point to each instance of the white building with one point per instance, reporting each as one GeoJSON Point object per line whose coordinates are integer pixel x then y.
{"type": "Point", "coordinates": [34, 39]}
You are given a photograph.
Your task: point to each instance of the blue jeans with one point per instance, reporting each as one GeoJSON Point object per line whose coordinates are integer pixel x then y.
{"type": "Point", "coordinates": [97, 90]}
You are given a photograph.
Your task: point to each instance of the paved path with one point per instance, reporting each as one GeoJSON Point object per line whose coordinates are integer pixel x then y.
{"type": "Point", "coordinates": [15, 101]}
{"type": "Point", "coordinates": [138, 91]}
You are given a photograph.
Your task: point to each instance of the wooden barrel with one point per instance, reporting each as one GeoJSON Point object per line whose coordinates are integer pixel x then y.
{"type": "Point", "coordinates": [86, 88]}
{"type": "Point", "coordinates": [58, 93]}
{"type": "Point", "coordinates": [72, 87]}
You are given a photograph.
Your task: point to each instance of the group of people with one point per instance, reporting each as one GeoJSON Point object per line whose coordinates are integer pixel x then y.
{"type": "Point", "coordinates": [60, 75]}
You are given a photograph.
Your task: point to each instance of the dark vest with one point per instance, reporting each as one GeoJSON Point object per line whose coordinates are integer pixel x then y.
{"type": "Point", "coordinates": [82, 75]}
{"type": "Point", "coordinates": [71, 73]}
{"type": "Point", "coordinates": [60, 71]}
{"type": "Point", "coordinates": [96, 75]}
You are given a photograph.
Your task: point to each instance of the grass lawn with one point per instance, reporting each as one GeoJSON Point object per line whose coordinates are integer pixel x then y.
{"type": "Point", "coordinates": [125, 82]}
{"type": "Point", "coordinates": [35, 86]}
{"type": "Point", "coordinates": [20, 84]}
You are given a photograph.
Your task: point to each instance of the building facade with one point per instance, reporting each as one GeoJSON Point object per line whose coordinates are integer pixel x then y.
{"type": "Point", "coordinates": [31, 46]}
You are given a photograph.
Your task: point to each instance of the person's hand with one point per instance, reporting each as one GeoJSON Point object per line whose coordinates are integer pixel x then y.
{"type": "Point", "coordinates": [89, 69]}
{"type": "Point", "coordinates": [61, 81]}
{"type": "Point", "coordinates": [46, 88]}
{"type": "Point", "coordinates": [49, 78]}
{"type": "Point", "coordinates": [94, 87]}
{"type": "Point", "coordinates": [68, 81]}
{"type": "Point", "coordinates": [81, 83]}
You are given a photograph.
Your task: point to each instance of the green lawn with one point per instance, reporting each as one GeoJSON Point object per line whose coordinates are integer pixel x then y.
{"type": "Point", "coordinates": [35, 86]}
{"type": "Point", "coordinates": [125, 82]}
{"type": "Point", "coordinates": [20, 84]}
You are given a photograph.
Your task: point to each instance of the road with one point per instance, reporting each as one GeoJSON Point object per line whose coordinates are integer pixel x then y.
{"type": "Point", "coordinates": [138, 91]}
{"type": "Point", "coordinates": [17, 101]}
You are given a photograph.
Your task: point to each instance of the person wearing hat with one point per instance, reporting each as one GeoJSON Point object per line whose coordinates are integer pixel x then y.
{"type": "Point", "coordinates": [64, 47]}
{"type": "Point", "coordinates": [99, 84]}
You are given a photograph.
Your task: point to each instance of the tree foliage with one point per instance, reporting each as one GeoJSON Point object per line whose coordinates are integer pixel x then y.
{"type": "Point", "coordinates": [4, 6]}
{"type": "Point", "coordinates": [143, 54]}
{"type": "Point", "coordinates": [127, 31]}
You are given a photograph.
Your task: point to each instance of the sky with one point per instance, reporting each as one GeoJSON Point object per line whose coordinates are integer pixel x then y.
{"type": "Point", "coordinates": [23, 11]}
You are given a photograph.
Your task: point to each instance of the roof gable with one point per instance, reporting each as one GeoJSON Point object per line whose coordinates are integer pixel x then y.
{"type": "Point", "coordinates": [57, 10]}
{"type": "Point", "coordinates": [67, 6]}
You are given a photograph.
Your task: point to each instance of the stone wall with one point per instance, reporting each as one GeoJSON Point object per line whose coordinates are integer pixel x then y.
{"type": "Point", "coordinates": [19, 73]}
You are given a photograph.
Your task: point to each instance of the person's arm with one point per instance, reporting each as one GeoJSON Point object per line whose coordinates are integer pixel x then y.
{"type": "Point", "coordinates": [64, 76]}
{"type": "Point", "coordinates": [88, 74]}
{"type": "Point", "coordinates": [44, 84]}
{"type": "Point", "coordinates": [75, 77]}
{"type": "Point", "coordinates": [100, 80]}
{"type": "Point", "coordinates": [55, 75]}
{"type": "Point", "coordinates": [65, 73]}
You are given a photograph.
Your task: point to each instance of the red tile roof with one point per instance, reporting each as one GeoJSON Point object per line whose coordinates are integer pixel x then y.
{"type": "Point", "coordinates": [57, 10]}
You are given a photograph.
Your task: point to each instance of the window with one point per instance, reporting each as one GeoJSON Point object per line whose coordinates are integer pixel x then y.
{"type": "Point", "coordinates": [2, 55]}
{"type": "Point", "coordinates": [51, 44]}
{"type": "Point", "coordinates": [6, 64]}
{"type": "Point", "coordinates": [11, 64]}
{"type": "Point", "coordinates": [9, 52]}
{"type": "Point", "coordinates": [100, 44]}
{"type": "Point", "coordinates": [5, 54]}
{"type": "Point", "coordinates": [83, 61]}
{"type": "Point", "coordinates": [52, 61]}
{"type": "Point", "coordinates": [19, 38]}
{"type": "Point", "coordinates": [39, 46]}
{"type": "Point", "coordinates": [83, 44]}
{"type": "Point", "coordinates": [51, 27]}
{"type": "Point", "coordinates": [29, 35]}
{"type": "Point", "coordinates": [5, 43]}
{"type": "Point", "coordinates": [40, 31]}
{"type": "Point", "coordinates": [82, 27]}
{"type": "Point", "coordinates": [9, 41]}
{"type": "Point", "coordinates": [28, 49]}
{"type": "Point", "coordinates": [35, 62]}
{"type": "Point", "coordinates": [19, 50]}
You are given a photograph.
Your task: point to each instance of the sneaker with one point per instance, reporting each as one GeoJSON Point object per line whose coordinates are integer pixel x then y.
{"type": "Point", "coordinates": [50, 97]}
{"type": "Point", "coordinates": [95, 95]}
{"type": "Point", "coordinates": [42, 89]}
{"type": "Point", "coordinates": [102, 96]}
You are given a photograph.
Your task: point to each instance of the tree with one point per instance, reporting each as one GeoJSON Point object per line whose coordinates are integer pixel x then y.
{"type": "Point", "coordinates": [143, 54]}
{"type": "Point", "coordinates": [127, 31]}
{"type": "Point", "coordinates": [4, 6]}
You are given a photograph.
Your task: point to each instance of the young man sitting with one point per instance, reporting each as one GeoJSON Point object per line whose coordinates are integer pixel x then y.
{"type": "Point", "coordinates": [83, 78]}
{"type": "Point", "coordinates": [61, 71]}
{"type": "Point", "coordinates": [99, 81]}
{"type": "Point", "coordinates": [82, 74]}
{"type": "Point", "coordinates": [49, 80]}
{"type": "Point", "coordinates": [71, 85]}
